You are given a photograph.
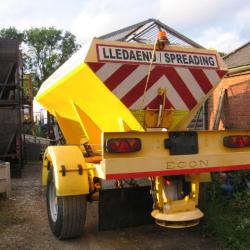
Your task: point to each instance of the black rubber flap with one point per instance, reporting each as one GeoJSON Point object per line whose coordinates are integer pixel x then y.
{"type": "Point", "coordinates": [126, 207]}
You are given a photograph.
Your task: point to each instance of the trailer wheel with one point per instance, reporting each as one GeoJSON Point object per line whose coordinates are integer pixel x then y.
{"type": "Point", "coordinates": [66, 214]}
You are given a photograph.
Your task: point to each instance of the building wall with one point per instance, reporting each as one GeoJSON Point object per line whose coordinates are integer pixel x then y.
{"type": "Point", "coordinates": [236, 105]}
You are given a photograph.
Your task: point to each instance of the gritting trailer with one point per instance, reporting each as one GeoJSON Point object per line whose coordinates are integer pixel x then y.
{"type": "Point", "coordinates": [124, 109]}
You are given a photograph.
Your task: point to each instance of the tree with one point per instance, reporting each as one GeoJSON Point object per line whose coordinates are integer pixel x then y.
{"type": "Point", "coordinates": [44, 50]}
{"type": "Point", "coordinates": [11, 33]}
{"type": "Point", "coordinates": [47, 49]}
{"type": "Point", "coordinates": [222, 54]}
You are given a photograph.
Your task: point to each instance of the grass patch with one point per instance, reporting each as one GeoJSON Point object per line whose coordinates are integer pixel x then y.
{"type": "Point", "coordinates": [227, 217]}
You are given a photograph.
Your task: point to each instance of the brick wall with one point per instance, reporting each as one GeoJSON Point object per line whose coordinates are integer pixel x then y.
{"type": "Point", "coordinates": [236, 106]}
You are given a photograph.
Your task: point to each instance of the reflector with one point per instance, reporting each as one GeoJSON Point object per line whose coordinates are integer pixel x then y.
{"type": "Point", "coordinates": [237, 141]}
{"type": "Point", "coordinates": [123, 145]}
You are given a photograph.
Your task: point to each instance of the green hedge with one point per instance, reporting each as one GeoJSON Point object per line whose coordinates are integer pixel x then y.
{"type": "Point", "coordinates": [227, 216]}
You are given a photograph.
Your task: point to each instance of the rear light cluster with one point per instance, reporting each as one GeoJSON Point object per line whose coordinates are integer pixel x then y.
{"type": "Point", "coordinates": [237, 141]}
{"type": "Point", "coordinates": [123, 145]}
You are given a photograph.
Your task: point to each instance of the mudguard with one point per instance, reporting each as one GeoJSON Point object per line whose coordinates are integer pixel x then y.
{"type": "Point", "coordinates": [69, 169]}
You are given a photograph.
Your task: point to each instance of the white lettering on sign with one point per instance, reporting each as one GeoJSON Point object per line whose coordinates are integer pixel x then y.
{"type": "Point", "coordinates": [144, 56]}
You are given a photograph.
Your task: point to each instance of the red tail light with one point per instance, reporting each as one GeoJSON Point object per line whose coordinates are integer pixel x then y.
{"type": "Point", "coordinates": [123, 145]}
{"type": "Point", "coordinates": [237, 141]}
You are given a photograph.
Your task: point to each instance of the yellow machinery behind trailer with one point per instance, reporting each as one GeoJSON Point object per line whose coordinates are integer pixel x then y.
{"type": "Point", "coordinates": [123, 109]}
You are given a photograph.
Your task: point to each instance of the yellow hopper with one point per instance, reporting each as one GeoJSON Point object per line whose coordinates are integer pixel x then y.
{"type": "Point", "coordinates": [117, 86]}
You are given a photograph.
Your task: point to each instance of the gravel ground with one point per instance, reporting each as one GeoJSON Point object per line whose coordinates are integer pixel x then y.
{"type": "Point", "coordinates": [24, 225]}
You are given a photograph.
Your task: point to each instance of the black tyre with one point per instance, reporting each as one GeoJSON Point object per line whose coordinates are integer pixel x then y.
{"type": "Point", "coordinates": [66, 214]}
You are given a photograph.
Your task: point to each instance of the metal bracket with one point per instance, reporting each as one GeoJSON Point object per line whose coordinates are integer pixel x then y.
{"type": "Point", "coordinates": [79, 169]}
{"type": "Point", "coordinates": [63, 170]}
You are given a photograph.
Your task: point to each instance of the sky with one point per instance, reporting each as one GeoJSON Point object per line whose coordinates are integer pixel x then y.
{"type": "Point", "coordinates": [220, 24]}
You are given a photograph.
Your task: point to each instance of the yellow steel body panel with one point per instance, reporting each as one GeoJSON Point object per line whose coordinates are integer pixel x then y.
{"type": "Point", "coordinates": [178, 117]}
{"type": "Point", "coordinates": [82, 94]}
{"type": "Point", "coordinates": [154, 160]}
{"type": "Point", "coordinates": [170, 119]}
{"type": "Point", "coordinates": [70, 157]}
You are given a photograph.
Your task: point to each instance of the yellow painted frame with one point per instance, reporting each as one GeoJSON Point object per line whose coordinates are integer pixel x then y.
{"type": "Point", "coordinates": [154, 160]}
